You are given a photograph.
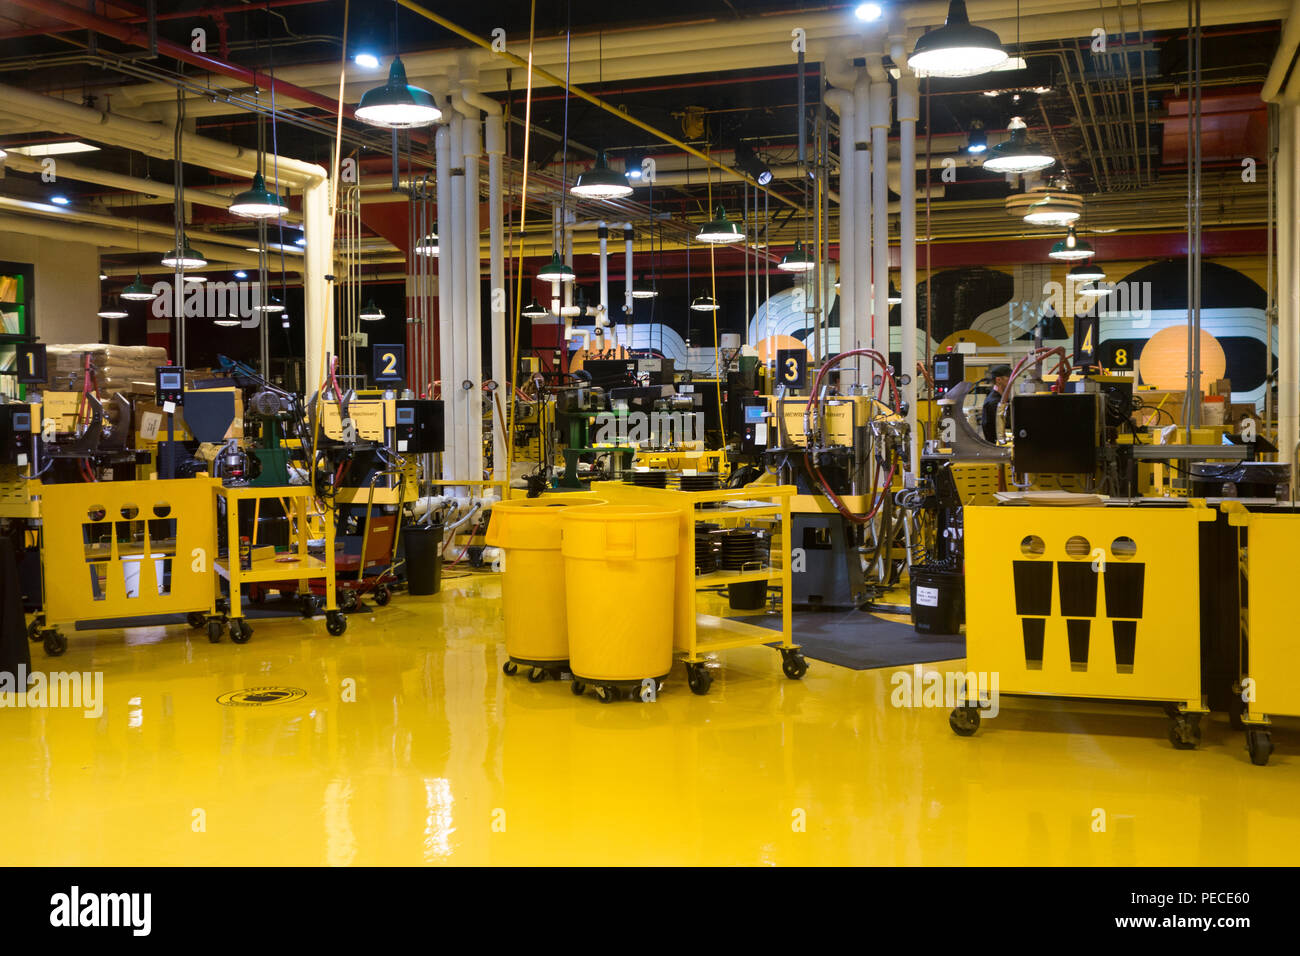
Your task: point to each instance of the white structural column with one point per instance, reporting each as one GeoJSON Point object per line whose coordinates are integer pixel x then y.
{"type": "Point", "coordinates": [908, 113]}
{"type": "Point", "coordinates": [442, 158]}
{"type": "Point", "coordinates": [451, 268]}
{"type": "Point", "coordinates": [628, 303]}
{"type": "Point", "coordinates": [602, 230]}
{"type": "Point", "coordinates": [841, 101]}
{"type": "Point", "coordinates": [318, 298]}
{"type": "Point", "coordinates": [861, 271]}
{"type": "Point", "coordinates": [879, 208]}
{"type": "Point", "coordinates": [472, 340]}
{"type": "Point", "coordinates": [1288, 276]}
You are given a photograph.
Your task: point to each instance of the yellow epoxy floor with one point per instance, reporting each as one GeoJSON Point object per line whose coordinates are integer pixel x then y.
{"type": "Point", "coordinates": [443, 759]}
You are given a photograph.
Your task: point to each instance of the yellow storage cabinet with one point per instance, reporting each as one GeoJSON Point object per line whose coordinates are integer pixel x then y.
{"type": "Point", "coordinates": [527, 530]}
{"type": "Point", "coordinates": [1088, 602]}
{"type": "Point", "coordinates": [620, 564]}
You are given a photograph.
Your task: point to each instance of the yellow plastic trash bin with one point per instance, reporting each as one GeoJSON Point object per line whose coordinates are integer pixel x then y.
{"type": "Point", "coordinates": [527, 530]}
{"type": "Point", "coordinates": [620, 564]}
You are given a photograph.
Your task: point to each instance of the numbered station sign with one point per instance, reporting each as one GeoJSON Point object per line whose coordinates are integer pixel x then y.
{"type": "Point", "coordinates": [389, 363]}
{"type": "Point", "coordinates": [792, 368]}
{"type": "Point", "coordinates": [30, 365]}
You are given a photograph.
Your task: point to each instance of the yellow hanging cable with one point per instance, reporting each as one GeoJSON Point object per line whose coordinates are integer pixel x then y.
{"type": "Point", "coordinates": [513, 371]}
{"type": "Point", "coordinates": [713, 292]}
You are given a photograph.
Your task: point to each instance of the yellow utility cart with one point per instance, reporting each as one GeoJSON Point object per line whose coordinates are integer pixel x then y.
{"type": "Point", "coordinates": [1086, 602]}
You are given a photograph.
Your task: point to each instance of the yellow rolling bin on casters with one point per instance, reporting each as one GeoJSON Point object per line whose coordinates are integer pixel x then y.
{"type": "Point", "coordinates": [124, 549]}
{"type": "Point", "coordinates": [1088, 602]}
{"type": "Point", "coordinates": [696, 634]}
{"type": "Point", "coordinates": [297, 564]}
{"type": "Point", "coordinates": [1269, 679]}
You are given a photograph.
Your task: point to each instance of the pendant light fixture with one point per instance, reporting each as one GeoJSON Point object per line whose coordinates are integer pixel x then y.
{"type": "Point", "coordinates": [704, 303]}
{"type": "Point", "coordinates": [397, 104]}
{"type": "Point", "coordinates": [1017, 154]}
{"type": "Point", "coordinates": [428, 246]}
{"type": "Point", "coordinates": [601, 182]}
{"type": "Point", "coordinates": [370, 312]}
{"type": "Point", "coordinates": [257, 202]}
{"type": "Point", "coordinates": [534, 310]}
{"type": "Point", "coordinates": [556, 271]}
{"type": "Point", "coordinates": [1095, 290]}
{"type": "Point", "coordinates": [188, 258]}
{"type": "Point", "coordinates": [229, 321]}
{"type": "Point", "coordinates": [1087, 272]}
{"type": "Point", "coordinates": [958, 48]}
{"type": "Point", "coordinates": [137, 291]}
{"type": "Point", "coordinates": [642, 290]}
{"type": "Point", "coordinates": [797, 260]}
{"type": "Point", "coordinates": [978, 140]}
{"type": "Point", "coordinates": [272, 304]}
{"type": "Point", "coordinates": [109, 311]}
{"type": "Point", "coordinates": [719, 229]}
{"type": "Point", "coordinates": [1071, 248]}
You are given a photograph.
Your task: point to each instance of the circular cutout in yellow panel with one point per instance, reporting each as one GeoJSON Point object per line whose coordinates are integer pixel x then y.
{"type": "Point", "coordinates": [1164, 359]}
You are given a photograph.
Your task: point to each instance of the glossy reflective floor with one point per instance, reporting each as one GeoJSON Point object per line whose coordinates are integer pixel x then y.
{"type": "Point", "coordinates": [440, 758]}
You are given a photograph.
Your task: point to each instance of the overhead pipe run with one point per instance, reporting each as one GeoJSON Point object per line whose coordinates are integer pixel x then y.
{"type": "Point", "coordinates": [909, 112]}
{"type": "Point", "coordinates": [880, 122]}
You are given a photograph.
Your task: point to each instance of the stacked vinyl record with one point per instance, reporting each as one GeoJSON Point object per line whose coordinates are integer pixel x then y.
{"type": "Point", "coordinates": [704, 481]}
{"type": "Point", "coordinates": [706, 548]}
{"type": "Point", "coordinates": [741, 550]}
{"type": "Point", "coordinates": [649, 479]}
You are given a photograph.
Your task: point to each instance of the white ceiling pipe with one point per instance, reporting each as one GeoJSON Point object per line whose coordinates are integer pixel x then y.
{"type": "Point", "coordinates": [106, 238]}
{"type": "Point", "coordinates": [840, 99]}
{"type": "Point", "coordinates": [450, 262]}
{"type": "Point", "coordinates": [628, 235]}
{"type": "Point", "coordinates": [446, 259]}
{"type": "Point", "coordinates": [471, 340]}
{"type": "Point", "coordinates": [859, 270]}
{"type": "Point", "coordinates": [880, 123]}
{"type": "Point", "coordinates": [1280, 70]}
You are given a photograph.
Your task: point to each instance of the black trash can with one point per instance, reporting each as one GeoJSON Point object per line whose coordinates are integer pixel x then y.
{"type": "Point", "coordinates": [423, 547]}
{"type": "Point", "coordinates": [938, 600]}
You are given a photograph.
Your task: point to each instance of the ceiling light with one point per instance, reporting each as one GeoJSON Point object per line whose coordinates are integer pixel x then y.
{"type": "Point", "coordinates": [137, 291]}
{"type": "Point", "coordinates": [241, 274]}
{"type": "Point", "coordinates": [534, 310]}
{"type": "Point", "coordinates": [3, 155]}
{"type": "Point", "coordinates": [371, 312]}
{"type": "Point", "coordinates": [194, 278]}
{"type": "Point", "coordinates": [301, 242]}
{"type": "Point", "coordinates": [367, 61]}
{"type": "Point", "coordinates": [1049, 212]}
{"type": "Point", "coordinates": [957, 48]}
{"type": "Point", "coordinates": [396, 104]}
{"type": "Point", "coordinates": [272, 304]}
{"type": "Point", "coordinates": [642, 291]}
{"type": "Point", "coordinates": [60, 200]}
{"type": "Point", "coordinates": [1017, 154]}
{"type": "Point", "coordinates": [1095, 290]}
{"type": "Point", "coordinates": [257, 202]}
{"type": "Point", "coordinates": [229, 321]}
{"type": "Point", "coordinates": [1089, 272]}
{"type": "Point", "coordinates": [428, 246]}
{"type": "Point", "coordinates": [1071, 248]}
{"type": "Point", "coordinates": [103, 276]}
{"type": "Point", "coordinates": [189, 258]}
{"type": "Point", "coordinates": [108, 311]}
{"type": "Point", "coordinates": [747, 161]}
{"type": "Point", "coordinates": [53, 149]}
{"type": "Point", "coordinates": [632, 168]}
{"type": "Point", "coordinates": [797, 260]}
{"type": "Point", "coordinates": [868, 12]}
{"type": "Point", "coordinates": [719, 229]}
{"type": "Point", "coordinates": [978, 140]}
{"type": "Point", "coordinates": [556, 271]}
{"type": "Point", "coordinates": [277, 247]}
{"type": "Point", "coordinates": [601, 182]}
{"type": "Point", "coordinates": [704, 303]}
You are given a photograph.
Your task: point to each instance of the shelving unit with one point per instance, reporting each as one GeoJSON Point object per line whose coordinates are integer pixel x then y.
{"type": "Point", "coordinates": [16, 293]}
{"type": "Point", "coordinates": [696, 633]}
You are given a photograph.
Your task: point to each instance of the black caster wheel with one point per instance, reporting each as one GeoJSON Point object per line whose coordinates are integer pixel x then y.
{"type": "Point", "coordinates": [55, 643]}
{"type": "Point", "coordinates": [383, 595]}
{"type": "Point", "coordinates": [347, 600]}
{"type": "Point", "coordinates": [1260, 745]}
{"type": "Point", "coordinates": [578, 688]}
{"type": "Point", "coordinates": [335, 622]}
{"type": "Point", "coordinates": [34, 629]}
{"type": "Point", "coordinates": [196, 621]}
{"type": "Point", "coordinates": [240, 631]}
{"type": "Point", "coordinates": [698, 679]}
{"type": "Point", "coordinates": [536, 675]}
{"type": "Point", "coordinates": [964, 721]}
{"type": "Point", "coordinates": [510, 668]}
{"type": "Point", "coordinates": [1184, 733]}
{"type": "Point", "coordinates": [307, 605]}
{"type": "Point", "coordinates": [214, 631]}
{"type": "Point", "coordinates": [607, 693]}
{"type": "Point", "coordinates": [794, 665]}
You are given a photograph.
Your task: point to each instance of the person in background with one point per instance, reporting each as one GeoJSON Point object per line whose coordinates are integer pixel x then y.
{"type": "Point", "coordinates": [998, 374]}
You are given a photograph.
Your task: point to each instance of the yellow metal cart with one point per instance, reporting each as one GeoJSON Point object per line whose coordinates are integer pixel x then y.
{"type": "Point", "coordinates": [1269, 684]}
{"type": "Point", "coordinates": [697, 634]}
{"type": "Point", "coordinates": [298, 564]}
{"type": "Point", "coordinates": [125, 549]}
{"type": "Point", "coordinates": [1087, 602]}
